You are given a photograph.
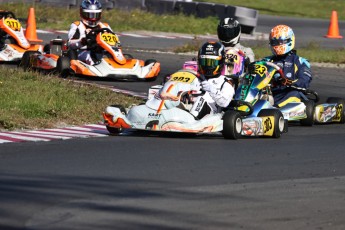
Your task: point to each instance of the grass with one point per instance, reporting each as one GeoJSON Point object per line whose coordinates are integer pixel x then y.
{"type": "Point", "coordinates": [31, 100]}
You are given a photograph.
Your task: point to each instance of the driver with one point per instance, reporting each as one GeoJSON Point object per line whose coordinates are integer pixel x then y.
{"type": "Point", "coordinates": [90, 13]}
{"type": "Point", "coordinates": [295, 68]}
{"type": "Point", "coordinates": [3, 34]}
{"type": "Point", "coordinates": [229, 33]}
{"type": "Point", "coordinates": [219, 89]}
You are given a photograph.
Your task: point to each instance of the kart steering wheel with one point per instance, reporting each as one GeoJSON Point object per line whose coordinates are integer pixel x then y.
{"type": "Point", "coordinates": [91, 36]}
{"type": "Point", "coordinates": [287, 82]}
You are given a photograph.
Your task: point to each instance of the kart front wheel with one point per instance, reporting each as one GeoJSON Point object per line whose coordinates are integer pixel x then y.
{"type": "Point", "coordinates": [232, 125]}
{"type": "Point", "coordinates": [25, 62]}
{"type": "Point", "coordinates": [278, 123]}
{"type": "Point", "coordinates": [63, 66]}
{"type": "Point", "coordinates": [340, 107]}
{"type": "Point", "coordinates": [309, 110]}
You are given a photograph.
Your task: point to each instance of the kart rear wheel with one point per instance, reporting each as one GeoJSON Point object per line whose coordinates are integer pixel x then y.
{"type": "Point", "coordinates": [148, 62]}
{"type": "Point", "coordinates": [279, 122]}
{"type": "Point", "coordinates": [25, 62]}
{"type": "Point", "coordinates": [339, 101]}
{"type": "Point", "coordinates": [309, 110]}
{"type": "Point", "coordinates": [232, 125]}
{"type": "Point", "coordinates": [72, 54]}
{"type": "Point", "coordinates": [114, 130]}
{"type": "Point", "coordinates": [128, 56]}
{"type": "Point", "coordinates": [63, 66]}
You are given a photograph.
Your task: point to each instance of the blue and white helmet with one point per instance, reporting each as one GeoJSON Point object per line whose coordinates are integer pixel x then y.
{"type": "Point", "coordinates": [91, 12]}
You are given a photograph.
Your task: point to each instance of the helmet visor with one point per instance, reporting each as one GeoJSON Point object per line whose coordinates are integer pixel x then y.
{"type": "Point", "coordinates": [91, 16]}
{"type": "Point", "coordinates": [209, 62]}
{"type": "Point", "coordinates": [277, 42]}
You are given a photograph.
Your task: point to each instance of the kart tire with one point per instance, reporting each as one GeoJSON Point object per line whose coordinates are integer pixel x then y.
{"type": "Point", "coordinates": [149, 61]}
{"type": "Point", "coordinates": [310, 109]}
{"type": "Point", "coordinates": [114, 130]}
{"type": "Point", "coordinates": [279, 122]}
{"type": "Point", "coordinates": [341, 101]}
{"type": "Point", "coordinates": [46, 48]}
{"type": "Point", "coordinates": [25, 61]}
{"type": "Point", "coordinates": [63, 66]}
{"type": "Point", "coordinates": [128, 56]}
{"type": "Point", "coordinates": [72, 54]}
{"type": "Point", "coordinates": [232, 125]}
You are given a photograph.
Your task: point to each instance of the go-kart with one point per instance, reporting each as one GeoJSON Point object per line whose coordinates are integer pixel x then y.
{"type": "Point", "coordinates": [13, 42]}
{"type": "Point", "coordinates": [253, 102]}
{"type": "Point", "coordinates": [167, 109]}
{"type": "Point", "coordinates": [110, 61]}
{"type": "Point", "coordinates": [50, 60]}
{"type": "Point", "coordinates": [307, 112]}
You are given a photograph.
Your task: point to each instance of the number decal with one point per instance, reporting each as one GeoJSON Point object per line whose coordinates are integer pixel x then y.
{"type": "Point", "coordinates": [231, 57]}
{"type": "Point", "coordinates": [339, 110]}
{"type": "Point", "coordinates": [182, 77]}
{"type": "Point", "coordinates": [13, 24]}
{"type": "Point", "coordinates": [267, 125]}
{"type": "Point", "coordinates": [110, 39]}
{"type": "Point", "coordinates": [260, 69]}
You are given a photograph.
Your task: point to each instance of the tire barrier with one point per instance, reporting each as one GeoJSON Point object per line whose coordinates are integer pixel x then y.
{"type": "Point", "coordinates": [246, 16]}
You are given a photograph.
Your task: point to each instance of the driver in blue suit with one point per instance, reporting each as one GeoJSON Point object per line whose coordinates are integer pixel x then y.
{"type": "Point", "coordinates": [296, 69]}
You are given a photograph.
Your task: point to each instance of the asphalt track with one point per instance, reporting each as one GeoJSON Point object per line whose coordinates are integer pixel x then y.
{"type": "Point", "coordinates": [145, 181]}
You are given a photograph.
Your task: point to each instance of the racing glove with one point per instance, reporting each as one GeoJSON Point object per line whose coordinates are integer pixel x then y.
{"type": "Point", "coordinates": [83, 42]}
{"type": "Point", "coordinates": [208, 87]}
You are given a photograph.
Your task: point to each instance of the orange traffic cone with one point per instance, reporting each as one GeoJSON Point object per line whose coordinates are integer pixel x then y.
{"type": "Point", "coordinates": [31, 33]}
{"type": "Point", "coordinates": [333, 30]}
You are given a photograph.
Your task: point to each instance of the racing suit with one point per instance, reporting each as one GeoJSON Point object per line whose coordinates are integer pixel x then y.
{"type": "Point", "coordinates": [76, 36]}
{"type": "Point", "coordinates": [219, 93]}
{"type": "Point", "coordinates": [246, 50]}
{"type": "Point", "coordinates": [238, 69]}
{"type": "Point", "coordinates": [296, 69]}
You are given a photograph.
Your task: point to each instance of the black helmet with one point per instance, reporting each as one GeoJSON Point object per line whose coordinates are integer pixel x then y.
{"type": "Point", "coordinates": [229, 31]}
{"type": "Point", "coordinates": [211, 59]}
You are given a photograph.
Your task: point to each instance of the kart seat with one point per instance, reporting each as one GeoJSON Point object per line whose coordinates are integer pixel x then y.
{"type": "Point", "coordinates": [56, 46]}
{"type": "Point", "coordinates": [268, 98]}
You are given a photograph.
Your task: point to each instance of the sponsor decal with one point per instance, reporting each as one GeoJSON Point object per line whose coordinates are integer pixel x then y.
{"type": "Point", "coordinates": [251, 128]}
{"type": "Point", "coordinates": [200, 103]}
{"type": "Point", "coordinates": [209, 47]}
{"type": "Point", "coordinates": [154, 115]}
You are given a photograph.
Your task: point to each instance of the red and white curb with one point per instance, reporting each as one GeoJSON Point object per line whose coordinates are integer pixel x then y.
{"type": "Point", "coordinates": [92, 130]}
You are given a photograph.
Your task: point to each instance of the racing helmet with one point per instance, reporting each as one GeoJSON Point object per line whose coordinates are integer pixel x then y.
{"type": "Point", "coordinates": [211, 59]}
{"type": "Point", "coordinates": [282, 40]}
{"type": "Point", "coordinates": [91, 12]}
{"type": "Point", "coordinates": [229, 31]}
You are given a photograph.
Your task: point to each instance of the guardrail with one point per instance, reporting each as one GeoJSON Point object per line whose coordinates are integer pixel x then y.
{"type": "Point", "coordinates": [246, 16]}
